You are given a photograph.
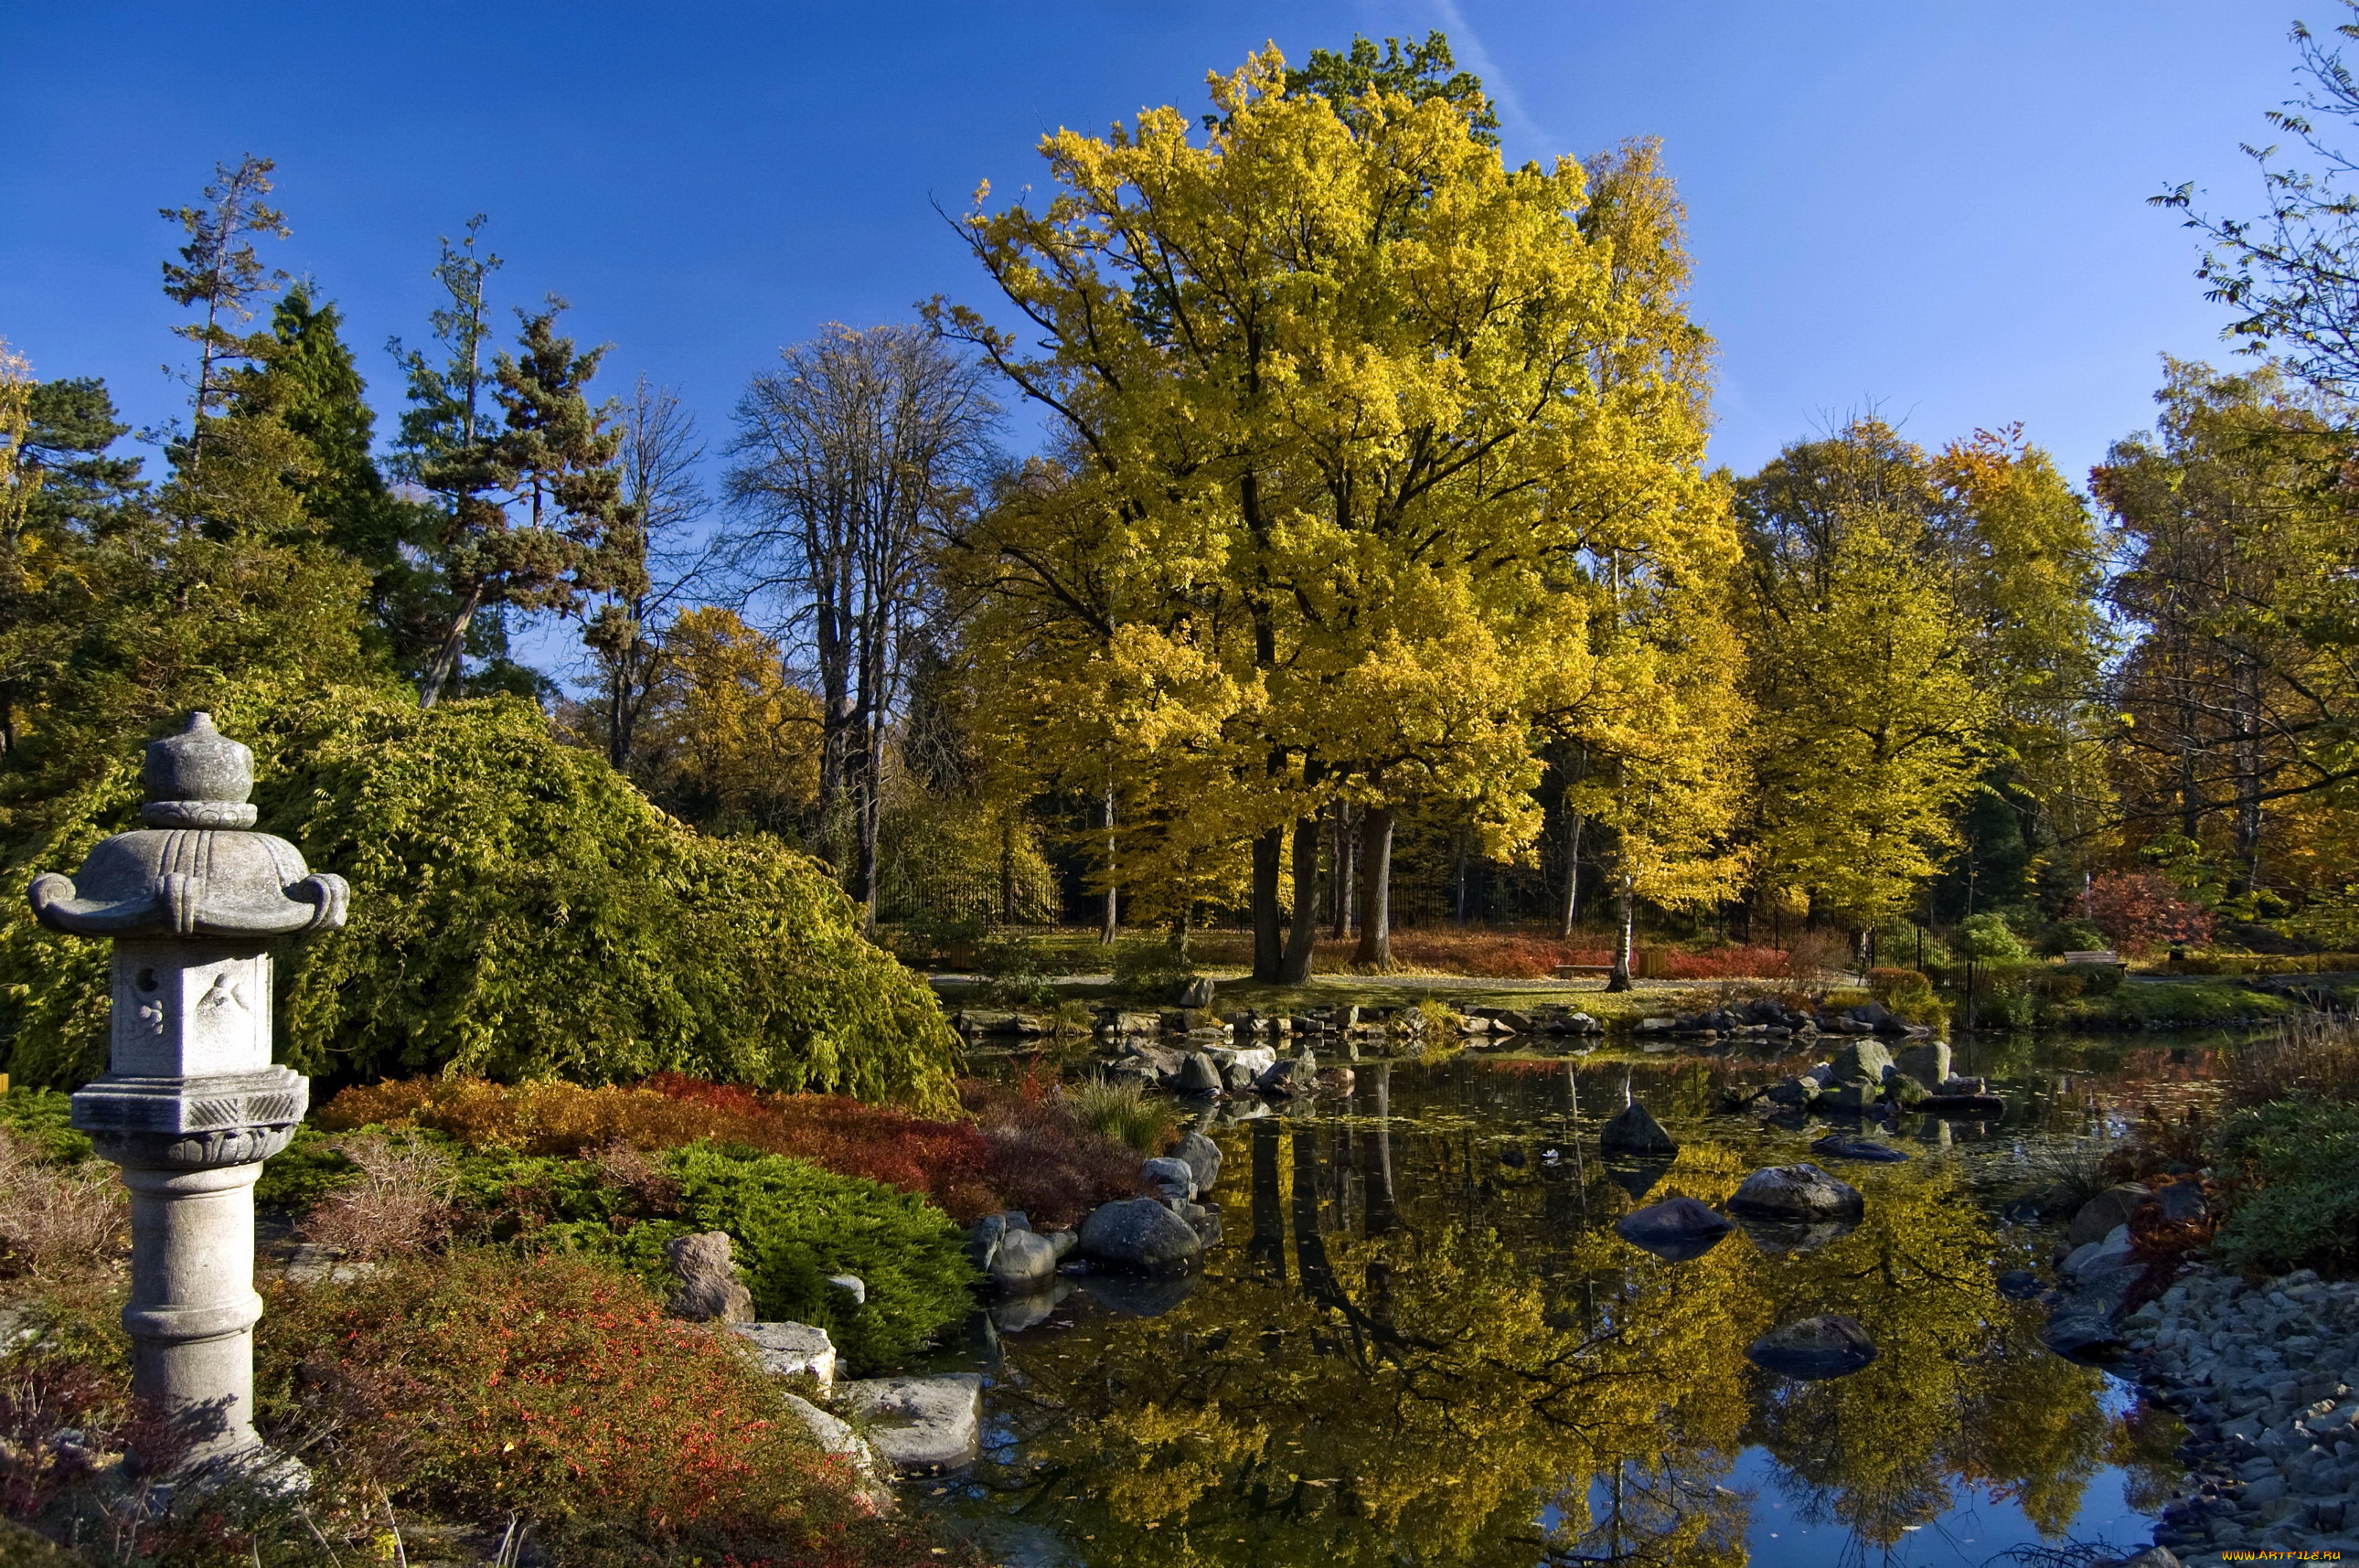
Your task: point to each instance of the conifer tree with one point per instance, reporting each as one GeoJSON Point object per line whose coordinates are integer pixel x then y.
{"type": "Point", "coordinates": [219, 270]}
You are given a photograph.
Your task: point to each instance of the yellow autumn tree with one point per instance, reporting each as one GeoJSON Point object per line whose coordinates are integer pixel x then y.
{"type": "Point", "coordinates": [1355, 428]}
{"type": "Point", "coordinates": [733, 742]}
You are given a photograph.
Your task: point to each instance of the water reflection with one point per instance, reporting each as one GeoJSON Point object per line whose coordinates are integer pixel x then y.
{"type": "Point", "coordinates": [1428, 1346]}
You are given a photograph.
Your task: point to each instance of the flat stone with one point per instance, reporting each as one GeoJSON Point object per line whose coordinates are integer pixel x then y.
{"type": "Point", "coordinates": [2083, 1337]}
{"type": "Point", "coordinates": [837, 1439]}
{"type": "Point", "coordinates": [919, 1426]}
{"type": "Point", "coordinates": [1675, 1230]}
{"type": "Point", "coordinates": [1814, 1349]}
{"type": "Point", "coordinates": [791, 1349]}
{"type": "Point", "coordinates": [1801, 1194]}
{"type": "Point", "coordinates": [1834, 1145]}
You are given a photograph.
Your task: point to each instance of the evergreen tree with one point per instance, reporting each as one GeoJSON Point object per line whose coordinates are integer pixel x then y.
{"type": "Point", "coordinates": [324, 401]}
{"type": "Point", "coordinates": [76, 483]}
{"type": "Point", "coordinates": [219, 270]}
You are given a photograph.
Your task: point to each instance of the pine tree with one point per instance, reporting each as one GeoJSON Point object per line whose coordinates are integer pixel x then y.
{"type": "Point", "coordinates": [323, 401]}
{"type": "Point", "coordinates": [220, 269]}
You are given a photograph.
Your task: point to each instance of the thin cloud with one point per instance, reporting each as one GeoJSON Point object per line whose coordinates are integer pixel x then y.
{"type": "Point", "coordinates": [1467, 44]}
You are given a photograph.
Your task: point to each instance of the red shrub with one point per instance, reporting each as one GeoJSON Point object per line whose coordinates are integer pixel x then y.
{"type": "Point", "coordinates": [2138, 910]}
{"type": "Point", "coordinates": [1025, 1153]}
{"type": "Point", "coordinates": [1726, 963]}
{"type": "Point", "coordinates": [477, 1385]}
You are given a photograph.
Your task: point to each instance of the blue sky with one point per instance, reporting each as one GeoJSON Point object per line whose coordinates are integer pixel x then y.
{"type": "Point", "coordinates": [1935, 208]}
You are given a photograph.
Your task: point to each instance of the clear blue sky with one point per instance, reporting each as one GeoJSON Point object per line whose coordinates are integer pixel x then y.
{"type": "Point", "coordinates": [1936, 207]}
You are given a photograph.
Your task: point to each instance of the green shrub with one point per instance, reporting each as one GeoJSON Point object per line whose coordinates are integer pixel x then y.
{"type": "Point", "coordinates": [1989, 939]}
{"type": "Point", "coordinates": [41, 1117]}
{"type": "Point", "coordinates": [794, 1225]}
{"type": "Point", "coordinates": [2292, 1173]}
{"type": "Point", "coordinates": [308, 1169]}
{"type": "Point", "coordinates": [518, 910]}
{"type": "Point", "coordinates": [2096, 979]}
{"type": "Point", "coordinates": [1151, 970]}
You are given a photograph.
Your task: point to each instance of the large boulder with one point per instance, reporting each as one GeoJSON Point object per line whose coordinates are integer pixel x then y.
{"type": "Point", "coordinates": [1170, 1178]}
{"type": "Point", "coordinates": [1294, 1076]}
{"type": "Point", "coordinates": [1814, 1349]}
{"type": "Point", "coordinates": [920, 1426]}
{"type": "Point", "coordinates": [1675, 1230]}
{"type": "Point", "coordinates": [1802, 1194]}
{"type": "Point", "coordinates": [2100, 1214]}
{"type": "Point", "coordinates": [1200, 1074]}
{"type": "Point", "coordinates": [1023, 1263]}
{"type": "Point", "coordinates": [1141, 1235]}
{"type": "Point", "coordinates": [1928, 1062]}
{"type": "Point", "coordinates": [710, 1290]}
{"type": "Point", "coordinates": [1203, 1158]}
{"type": "Point", "coordinates": [1862, 1062]}
{"type": "Point", "coordinates": [1634, 1132]}
{"type": "Point", "coordinates": [791, 1350]}
{"type": "Point", "coordinates": [1196, 993]}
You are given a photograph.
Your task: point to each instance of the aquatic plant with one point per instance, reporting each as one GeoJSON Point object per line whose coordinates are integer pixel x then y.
{"type": "Point", "coordinates": [1123, 1113]}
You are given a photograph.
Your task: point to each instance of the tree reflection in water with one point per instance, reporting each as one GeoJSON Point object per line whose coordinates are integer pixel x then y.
{"type": "Point", "coordinates": [1431, 1348]}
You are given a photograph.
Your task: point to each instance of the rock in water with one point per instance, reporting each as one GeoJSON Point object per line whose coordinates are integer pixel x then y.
{"type": "Point", "coordinates": [835, 1438]}
{"type": "Point", "coordinates": [1203, 1156]}
{"type": "Point", "coordinates": [1834, 1145]}
{"type": "Point", "coordinates": [1675, 1230]}
{"type": "Point", "coordinates": [1814, 1349]}
{"type": "Point", "coordinates": [2100, 1214]}
{"type": "Point", "coordinates": [1633, 1131]}
{"type": "Point", "coordinates": [1023, 1262]}
{"type": "Point", "coordinates": [1169, 1178]}
{"type": "Point", "coordinates": [1200, 1074]}
{"type": "Point", "coordinates": [710, 1290]}
{"type": "Point", "coordinates": [2083, 1337]}
{"type": "Point", "coordinates": [1139, 1234]}
{"type": "Point", "coordinates": [921, 1426]}
{"type": "Point", "coordinates": [792, 1349]}
{"type": "Point", "coordinates": [1928, 1062]}
{"type": "Point", "coordinates": [1862, 1062]}
{"type": "Point", "coordinates": [1803, 1194]}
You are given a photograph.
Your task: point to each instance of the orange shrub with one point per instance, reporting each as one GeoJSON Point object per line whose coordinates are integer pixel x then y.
{"type": "Point", "coordinates": [482, 1385]}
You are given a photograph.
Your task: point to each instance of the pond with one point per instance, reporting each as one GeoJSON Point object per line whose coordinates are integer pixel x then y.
{"type": "Point", "coordinates": [1420, 1341]}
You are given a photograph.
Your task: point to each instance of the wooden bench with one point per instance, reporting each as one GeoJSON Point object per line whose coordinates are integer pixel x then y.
{"type": "Point", "coordinates": [2102, 955]}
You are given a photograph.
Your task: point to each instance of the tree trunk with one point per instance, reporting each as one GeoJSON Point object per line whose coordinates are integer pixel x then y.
{"type": "Point", "coordinates": [1109, 923]}
{"type": "Point", "coordinates": [1376, 948]}
{"type": "Point", "coordinates": [1007, 870]}
{"type": "Point", "coordinates": [1620, 979]}
{"type": "Point", "coordinates": [446, 658]}
{"type": "Point", "coordinates": [1340, 890]}
{"type": "Point", "coordinates": [1302, 934]}
{"type": "Point", "coordinates": [1460, 915]}
{"type": "Point", "coordinates": [1268, 939]}
{"type": "Point", "coordinates": [1572, 875]}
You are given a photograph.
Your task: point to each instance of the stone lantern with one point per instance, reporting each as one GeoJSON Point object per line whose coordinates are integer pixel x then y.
{"type": "Point", "coordinates": [191, 1104]}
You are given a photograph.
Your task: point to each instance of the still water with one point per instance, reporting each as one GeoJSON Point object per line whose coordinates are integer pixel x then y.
{"type": "Point", "coordinates": [1420, 1342]}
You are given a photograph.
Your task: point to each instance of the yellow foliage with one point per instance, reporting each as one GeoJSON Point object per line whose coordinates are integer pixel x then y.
{"type": "Point", "coordinates": [1377, 459]}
